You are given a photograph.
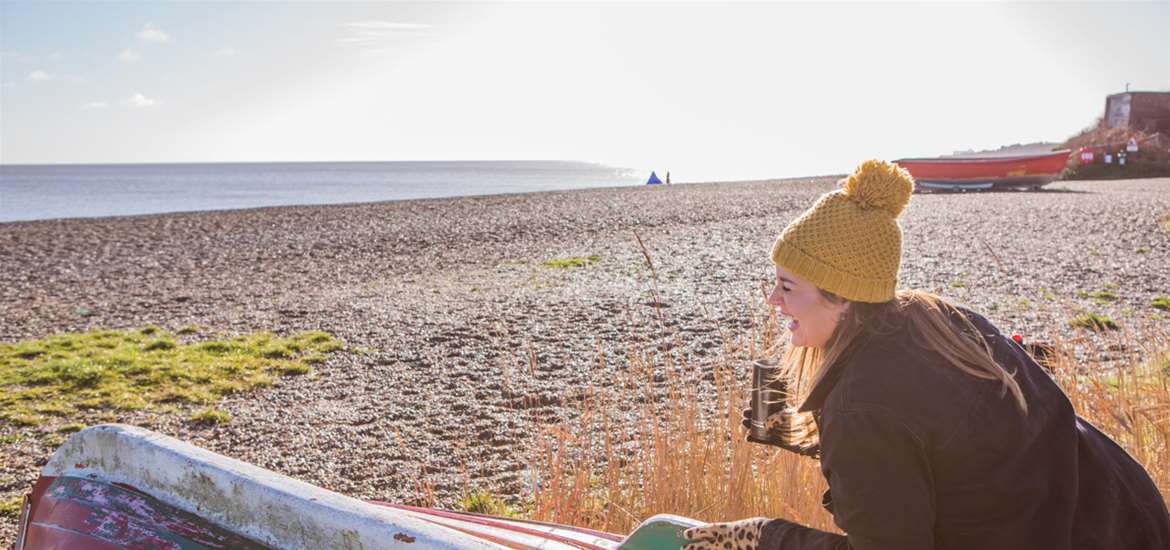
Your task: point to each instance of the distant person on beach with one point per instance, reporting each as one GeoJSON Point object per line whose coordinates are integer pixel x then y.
{"type": "Point", "coordinates": [668, 177]}
{"type": "Point", "coordinates": [933, 429]}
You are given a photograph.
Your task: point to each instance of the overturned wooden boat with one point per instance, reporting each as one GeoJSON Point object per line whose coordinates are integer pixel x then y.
{"type": "Point", "coordinates": [985, 173]}
{"type": "Point", "coordinates": [120, 487]}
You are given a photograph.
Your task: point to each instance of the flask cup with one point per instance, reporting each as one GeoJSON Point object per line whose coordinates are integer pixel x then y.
{"type": "Point", "coordinates": [769, 396]}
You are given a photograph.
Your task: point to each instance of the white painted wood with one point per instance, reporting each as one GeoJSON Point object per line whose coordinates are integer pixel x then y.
{"type": "Point", "coordinates": [260, 504]}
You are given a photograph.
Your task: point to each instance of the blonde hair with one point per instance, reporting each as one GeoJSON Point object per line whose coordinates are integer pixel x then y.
{"type": "Point", "coordinates": [934, 324]}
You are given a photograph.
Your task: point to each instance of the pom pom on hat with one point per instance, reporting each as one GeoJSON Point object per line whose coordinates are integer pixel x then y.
{"type": "Point", "coordinates": [849, 243]}
{"type": "Point", "coordinates": [880, 184]}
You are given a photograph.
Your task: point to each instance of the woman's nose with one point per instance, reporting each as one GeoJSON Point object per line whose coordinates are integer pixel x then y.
{"type": "Point", "coordinates": [775, 298]}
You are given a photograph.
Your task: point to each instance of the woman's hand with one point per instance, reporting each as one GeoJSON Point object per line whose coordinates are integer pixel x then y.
{"type": "Point", "coordinates": [736, 535]}
{"type": "Point", "coordinates": [774, 421]}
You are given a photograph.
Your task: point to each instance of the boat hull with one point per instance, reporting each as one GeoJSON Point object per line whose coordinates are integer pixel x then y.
{"type": "Point", "coordinates": [119, 487]}
{"type": "Point", "coordinates": [965, 174]}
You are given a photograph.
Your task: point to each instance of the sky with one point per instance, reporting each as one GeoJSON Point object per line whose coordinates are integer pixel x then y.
{"type": "Point", "coordinates": [707, 91]}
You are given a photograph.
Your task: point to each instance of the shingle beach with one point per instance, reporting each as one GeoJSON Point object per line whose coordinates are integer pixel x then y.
{"type": "Point", "coordinates": [461, 338]}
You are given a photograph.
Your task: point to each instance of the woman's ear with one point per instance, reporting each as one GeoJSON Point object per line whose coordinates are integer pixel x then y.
{"type": "Point", "coordinates": [845, 305]}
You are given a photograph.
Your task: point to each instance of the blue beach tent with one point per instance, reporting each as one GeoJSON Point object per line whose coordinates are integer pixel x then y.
{"type": "Point", "coordinates": [653, 179]}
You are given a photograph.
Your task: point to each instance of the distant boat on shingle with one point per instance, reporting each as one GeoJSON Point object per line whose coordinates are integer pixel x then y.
{"type": "Point", "coordinates": [979, 172]}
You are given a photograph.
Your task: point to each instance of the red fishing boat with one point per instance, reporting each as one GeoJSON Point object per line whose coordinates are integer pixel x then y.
{"type": "Point", "coordinates": [116, 487]}
{"type": "Point", "coordinates": [983, 173]}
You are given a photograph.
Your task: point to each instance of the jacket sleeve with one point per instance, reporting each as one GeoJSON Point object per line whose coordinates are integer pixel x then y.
{"type": "Point", "coordinates": [880, 481]}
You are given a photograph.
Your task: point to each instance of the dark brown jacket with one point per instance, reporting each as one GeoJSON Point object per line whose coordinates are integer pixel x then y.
{"type": "Point", "coordinates": [919, 455]}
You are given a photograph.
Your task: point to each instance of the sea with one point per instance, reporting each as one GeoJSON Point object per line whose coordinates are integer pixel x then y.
{"type": "Point", "coordinates": [41, 192]}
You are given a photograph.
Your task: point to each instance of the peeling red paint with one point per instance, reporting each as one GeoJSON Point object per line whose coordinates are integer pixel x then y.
{"type": "Point", "coordinates": [73, 512]}
{"type": "Point", "coordinates": [516, 526]}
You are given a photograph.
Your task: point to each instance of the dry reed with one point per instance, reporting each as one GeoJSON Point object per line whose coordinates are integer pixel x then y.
{"type": "Point", "coordinates": [684, 451]}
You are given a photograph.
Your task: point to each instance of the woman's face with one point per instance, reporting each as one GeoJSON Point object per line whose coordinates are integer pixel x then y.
{"type": "Point", "coordinates": [811, 317]}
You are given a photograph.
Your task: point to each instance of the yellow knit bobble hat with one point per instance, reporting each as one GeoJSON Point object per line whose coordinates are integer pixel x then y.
{"type": "Point", "coordinates": [849, 242]}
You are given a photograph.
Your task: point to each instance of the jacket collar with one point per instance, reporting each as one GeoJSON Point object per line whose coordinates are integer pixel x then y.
{"type": "Point", "coordinates": [816, 398]}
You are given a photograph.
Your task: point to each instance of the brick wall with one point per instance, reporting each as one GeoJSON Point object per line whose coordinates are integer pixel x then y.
{"type": "Point", "coordinates": [1150, 111]}
{"type": "Point", "coordinates": [1145, 111]}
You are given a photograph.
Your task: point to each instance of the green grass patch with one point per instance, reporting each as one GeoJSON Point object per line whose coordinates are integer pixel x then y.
{"type": "Point", "coordinates": [11, 508]}
{"type": "Point", "coordinates": [575, 261]}
{"type": "Point", "coordinates": [211, 416]}
{"type": "Point", "coordinates": [1099, 296]}
{"type": "Point", "coordinates": [1093, 321]}
{"type": "Point", "coordinates": [53, 440]}
{"type": "Point", "coordinates": [8, 439]}
{"type": "Point", "coordinates": [294, 369]}
{"type": "Point", "coordinates": [1161, 302]}
{"type": "Point", "coordinates": [160, 344]}
{"type": "Point", "coordinates": [479, 501]}
{"type": "Point", "coordinates": [70, 376]}
{"type": "Point", "coordinates": [313, 358]}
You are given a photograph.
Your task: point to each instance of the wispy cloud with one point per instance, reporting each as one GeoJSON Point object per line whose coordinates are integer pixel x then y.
{"type": "Point", "coordinates": [152, 34]}
{"type": "Point", "coordinates": [374, 32]}
{"type": "Point", "coordinates": [39, 75]}
{"type": "Point", "coordinates": [225, 52]}
{"type": "Point", "coordinates": [140, 101]}
{"type": "Point", "coordinates": [95, 105]}
{"type": "Point", "coordinates": [129, 56]}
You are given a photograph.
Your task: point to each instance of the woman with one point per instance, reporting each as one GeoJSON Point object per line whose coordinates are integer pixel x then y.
{"type": "Point", "coordinates": [934, 431]}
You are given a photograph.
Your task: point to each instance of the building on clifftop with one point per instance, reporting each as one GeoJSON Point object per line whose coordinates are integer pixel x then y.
{"type": "Point", "coordinates": [1142, 111]}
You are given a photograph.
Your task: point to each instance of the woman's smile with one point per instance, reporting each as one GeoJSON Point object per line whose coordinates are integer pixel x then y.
{"type": "Point", "coordinates": [793, 324]}
{"type": "Point", "coordinates": [811, 317]}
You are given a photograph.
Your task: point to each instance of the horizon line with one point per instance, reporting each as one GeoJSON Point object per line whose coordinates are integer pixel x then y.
{"type": "Point", "coordinates": [172, 163]}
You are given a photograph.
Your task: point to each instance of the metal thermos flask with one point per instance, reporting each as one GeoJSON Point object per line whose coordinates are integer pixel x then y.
{"type": "Point", "coordinates": [768, 396]}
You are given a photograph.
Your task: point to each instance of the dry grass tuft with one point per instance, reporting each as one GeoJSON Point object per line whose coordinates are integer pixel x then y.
{"type": "Point", "coordinates": [686, 453]}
